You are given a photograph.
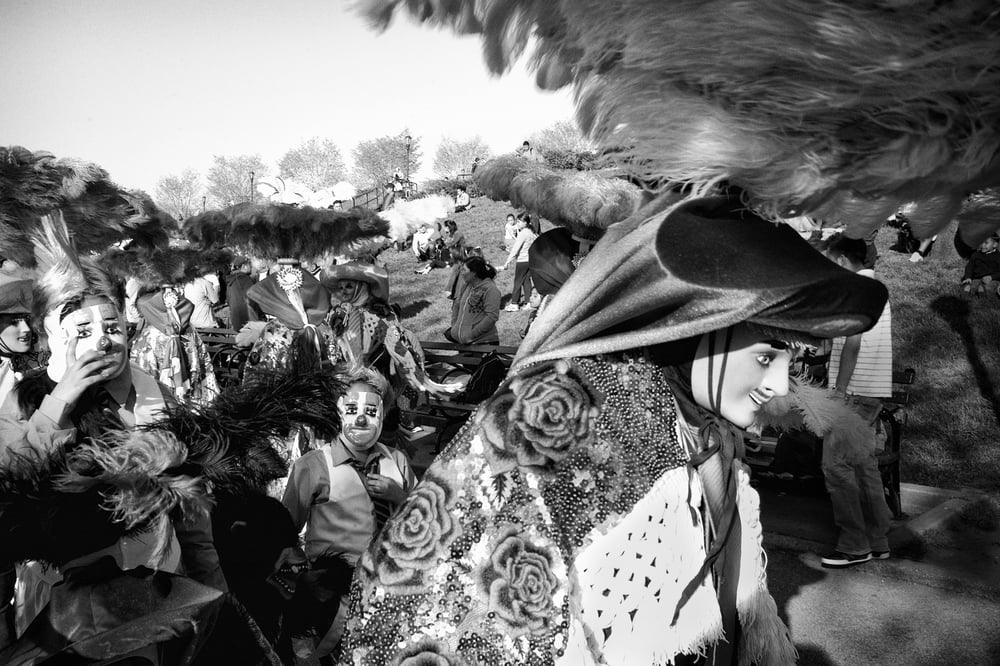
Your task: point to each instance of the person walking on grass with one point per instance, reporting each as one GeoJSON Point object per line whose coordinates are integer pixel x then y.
{"type": "Point", "coordinates": [520, 294]}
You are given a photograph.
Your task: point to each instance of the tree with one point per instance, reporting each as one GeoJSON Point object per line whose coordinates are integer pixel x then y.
{"type": "Point", "coordinates": [316, 164]}
{"type": "Point", "coordinates": [454, 157]}
{"type": "Point", "coordinates": [181, 194]}
{"type": "Point", "coordinates": [377, 160]}
{"type": "Point", "coordinates": [563, 135]}
{"type": "Point", "coordinates": [229, 179]}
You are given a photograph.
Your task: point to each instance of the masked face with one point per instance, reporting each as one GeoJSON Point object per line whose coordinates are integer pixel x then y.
{"type": "Point", "coordinates": [360, 417]}
{"type": "Point", "coordinates": [735, 381]}
{"type": "Point", "coordinates": [96, 325]}
{"type": "Point", "coordinates": [347, 290]}
{"type": "Point", "coordinates": [16, 336]}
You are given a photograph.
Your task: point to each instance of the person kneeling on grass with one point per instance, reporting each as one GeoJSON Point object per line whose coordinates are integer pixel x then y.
{"type": "Point", "coordinates": [342, 493]}
{"type": "Point", "coordinates": [476, 309]}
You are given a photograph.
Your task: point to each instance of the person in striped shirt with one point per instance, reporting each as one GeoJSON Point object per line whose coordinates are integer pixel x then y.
{"type": "Point", "coordinates": [861, 373]}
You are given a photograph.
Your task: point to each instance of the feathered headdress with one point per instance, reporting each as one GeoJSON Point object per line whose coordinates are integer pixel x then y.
{"type": "Point", "coordinates": [164, 266]}
{"type": "Point", "coordinates": [62, 273]}
{"type": "Point", "coordinates": [274, 231]}
{"type": "Point", "coordinates": [810, 107]}
{"type": "Point", "coordinates": [97, 212]}
{"type": "Point", "coordinates": [585, 202]}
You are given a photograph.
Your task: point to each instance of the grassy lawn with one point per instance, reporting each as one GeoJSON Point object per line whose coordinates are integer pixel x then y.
{"type": "Point", "coordinates": [952, 435]}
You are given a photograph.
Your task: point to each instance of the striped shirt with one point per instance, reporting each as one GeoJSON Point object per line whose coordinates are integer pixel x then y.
{"type": "Point", "coordinates": [873, 372]}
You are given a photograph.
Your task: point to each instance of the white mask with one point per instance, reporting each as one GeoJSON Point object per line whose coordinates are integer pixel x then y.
{"type": "Point", "coordinates": [361, 416]}
{"type": "Point", "coordinates": [97, 323]}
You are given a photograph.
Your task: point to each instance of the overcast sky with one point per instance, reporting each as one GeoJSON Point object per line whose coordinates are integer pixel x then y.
{"type": "Point", "coordinates": [147, 88]}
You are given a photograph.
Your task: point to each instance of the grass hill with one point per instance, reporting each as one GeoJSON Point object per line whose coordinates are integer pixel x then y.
{"type": "Point", "coordinates": [952, 437]}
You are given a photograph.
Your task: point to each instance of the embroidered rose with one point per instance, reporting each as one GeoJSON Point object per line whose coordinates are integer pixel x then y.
{"type": "Point", "coordinates": [428, 653]}
{"type": "Point", "coordinates": [552, 410]}
{"type": "Point", "coordinates": [419, 535]}
{"type": "Point", "coordinates": [519, 583]}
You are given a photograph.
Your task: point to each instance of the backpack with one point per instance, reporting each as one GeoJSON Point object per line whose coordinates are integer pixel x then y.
{"type": "Point", "coordinates": [486, 378]}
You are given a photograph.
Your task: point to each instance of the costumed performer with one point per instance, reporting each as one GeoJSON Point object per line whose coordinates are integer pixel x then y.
{"type": "Point", "coordinates": [16, 335]}
{"type": "Point", "coordinates": [88, 389]}
{"type": "Point", "coordinates": [595, 510]}
{"type": "Point", "coordinates": [340, 495]}
{"type": "Point", "coordinates": [367, 332]}
{"type": "Point", "coordinates": [166, 344]}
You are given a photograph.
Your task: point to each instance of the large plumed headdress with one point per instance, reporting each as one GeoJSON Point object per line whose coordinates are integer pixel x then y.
{"type": "Point", "coordinates": [97, 212]}
{"type": "Point", "coordinates": [585, 202]}
{"type": "Point", "coordinates": [834, 109]}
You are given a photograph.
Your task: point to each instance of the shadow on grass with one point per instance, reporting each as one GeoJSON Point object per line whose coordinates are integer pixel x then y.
{"type": "Point", "coordinates": [413, 309]}
{"type": "Point", "coordinates": [955, 312]}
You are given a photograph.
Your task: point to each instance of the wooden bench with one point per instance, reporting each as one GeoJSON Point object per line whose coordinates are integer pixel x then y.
{"type": "Point", "coordinates": [891, 421]}
{"type": "Point", "coordinates": [227, 359]}
{"type": "Point", "coordinates": [450, 361]}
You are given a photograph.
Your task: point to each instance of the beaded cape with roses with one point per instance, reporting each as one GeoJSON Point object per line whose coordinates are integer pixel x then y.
{"type": "Point", "coordinates": [561, 526]}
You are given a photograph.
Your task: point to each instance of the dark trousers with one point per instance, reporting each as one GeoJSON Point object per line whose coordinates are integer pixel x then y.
{"type": "Point", "coordinates": [522, 283]}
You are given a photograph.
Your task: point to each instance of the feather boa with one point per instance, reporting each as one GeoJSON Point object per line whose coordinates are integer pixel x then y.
{"type": "Point", "coordinates": [795, 101]}
{"type": "Point", "coordinates": [586, 202]}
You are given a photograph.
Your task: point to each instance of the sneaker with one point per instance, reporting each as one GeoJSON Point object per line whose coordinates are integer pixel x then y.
{"type": "Point", "coordinates": [880, 554]}
{"type": "Point", "coordinates": [512, 307]}
{"type": "Point", "coordinates": [840, 560]}
{"type": "Point", "coordinates": [916, 256]}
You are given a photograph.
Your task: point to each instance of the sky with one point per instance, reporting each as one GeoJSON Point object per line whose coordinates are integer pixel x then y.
{"type": "Point", "coordinates": [148, 88]}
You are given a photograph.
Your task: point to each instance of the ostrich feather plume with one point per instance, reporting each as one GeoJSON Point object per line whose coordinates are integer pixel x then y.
{"type": "Point", "coordinates": [62, 274]}
{"type": "Point", "coordinates": [275, 230]}
{"type": "Point", "coordinates": [813, 408]}
{"type": "Point", "coordinates": [800, 103]}
{"type": "Point", "coordinates": [586, 202]}
{"type": "Point", "coordinates": [232, 441]}
{"type": "Point", "coordinates": [405, 217]}
{"type": "Point", "coordinates": [97, 212]}
{"type": "Point", "coordinates": [164, 266]}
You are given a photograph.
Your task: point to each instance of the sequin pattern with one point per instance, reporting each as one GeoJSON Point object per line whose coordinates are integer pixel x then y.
{"type": "Point", "coordinates": [474, 567]}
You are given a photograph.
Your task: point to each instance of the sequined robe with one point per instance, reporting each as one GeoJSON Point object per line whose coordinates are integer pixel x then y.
{"type": "Point", "coordinates": [561, 526]}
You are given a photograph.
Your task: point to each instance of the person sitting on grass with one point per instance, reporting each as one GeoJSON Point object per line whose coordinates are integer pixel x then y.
{"type": "Point", "coordinates": [982, 268]}
{"type": "Point", "coordinates": [462, 200]}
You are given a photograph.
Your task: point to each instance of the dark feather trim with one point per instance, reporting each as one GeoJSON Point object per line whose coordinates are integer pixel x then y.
{"type": "Point", "coordinates": [231, 442]}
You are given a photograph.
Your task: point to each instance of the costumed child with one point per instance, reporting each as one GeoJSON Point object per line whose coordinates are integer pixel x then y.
{"type": "Point", "coordinates": [166, 343]}
{"type": "Point", "coordinates": [367, 332]}
{"type": "Point", "coordinates": [341, 494]}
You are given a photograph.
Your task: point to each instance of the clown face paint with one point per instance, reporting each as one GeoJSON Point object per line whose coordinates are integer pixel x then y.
{"type": "Point", "coordinates": [360, 417]}
{"type": "Point", "coordinates": [96, 326]}
{"type": "Point", "coordinates": [735, 380]}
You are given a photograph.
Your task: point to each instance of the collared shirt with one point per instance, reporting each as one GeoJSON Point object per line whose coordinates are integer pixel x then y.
{"type": "Point", "coordinates": [335, 509]}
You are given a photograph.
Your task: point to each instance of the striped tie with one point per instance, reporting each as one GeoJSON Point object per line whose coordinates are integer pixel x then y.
{"type": "Point", "coordinates": [383, 509]}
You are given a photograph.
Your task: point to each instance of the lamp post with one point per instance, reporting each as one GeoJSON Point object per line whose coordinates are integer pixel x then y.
{"type": "Point", "coordinates": [251, 187]}
{"type": "Point", "coordinates": [409, 141]}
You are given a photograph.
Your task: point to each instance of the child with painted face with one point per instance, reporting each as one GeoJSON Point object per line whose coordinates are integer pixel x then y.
{"type": "Point", "coordinates": [342, 493]}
